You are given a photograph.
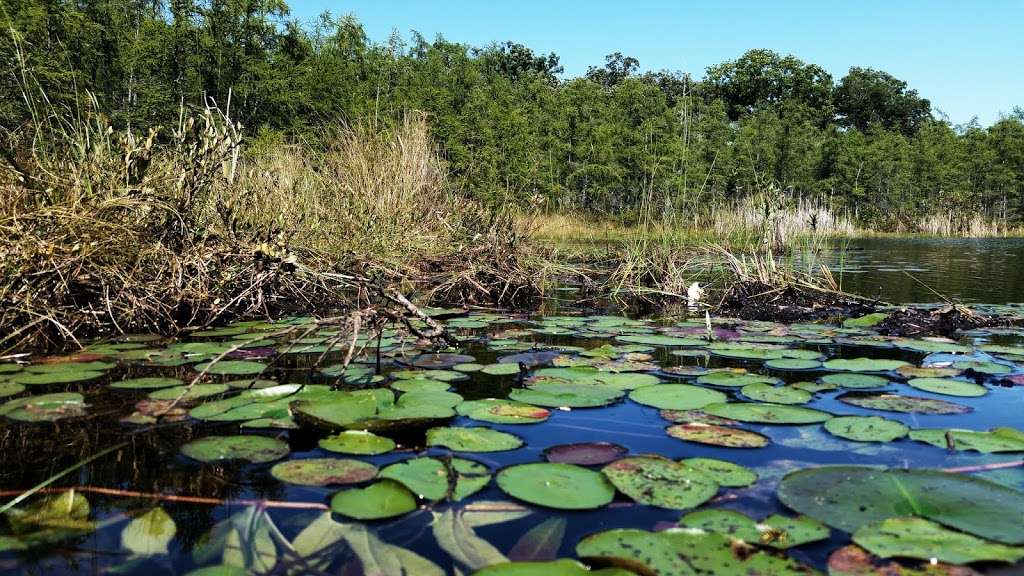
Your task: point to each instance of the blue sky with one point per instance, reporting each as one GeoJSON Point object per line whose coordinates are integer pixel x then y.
{"type": "Point", "coordinates": [966, 57]}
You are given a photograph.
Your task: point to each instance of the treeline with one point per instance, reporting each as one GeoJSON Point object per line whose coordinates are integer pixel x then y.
{"type": "Point", "coordinates": [511, 127]}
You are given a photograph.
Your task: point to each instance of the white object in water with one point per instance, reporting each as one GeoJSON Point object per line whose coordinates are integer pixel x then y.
{"type": "Point", "coordinates": [694, 293]}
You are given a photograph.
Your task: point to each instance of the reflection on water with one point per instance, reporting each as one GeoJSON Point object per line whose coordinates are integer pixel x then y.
{"type": "Point", "coordinates": [970, 270]}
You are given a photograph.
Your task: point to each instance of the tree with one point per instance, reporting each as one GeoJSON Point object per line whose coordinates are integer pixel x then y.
{"type": "Point", "coordinates": [762, 78]}
{"type": "Point", "coordinates": [616, 69]}
{"type": "Point", "coordinates": [866, 96]}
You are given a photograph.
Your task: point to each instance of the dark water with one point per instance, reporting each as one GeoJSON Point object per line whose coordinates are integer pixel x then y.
{"type": "Point", "coordinates": [151, 463]}
{"type": "Point", "coordinates": [970, 270]}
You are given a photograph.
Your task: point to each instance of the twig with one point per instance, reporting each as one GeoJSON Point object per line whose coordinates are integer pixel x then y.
{"type": "Point", "coordinates": [174, 497]}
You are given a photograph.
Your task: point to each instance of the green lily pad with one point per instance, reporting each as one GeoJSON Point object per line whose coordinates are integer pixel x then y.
{"type": "Point", "coordinates": [775, 531]}
{"type": "Point", "coordinates": [468, 367]}
{"type": "Point", "coordinates": [146, 383]}
{"type": "Point", "coordinates": [864, 364]}
{"type": "Point", "coordinates": [776, 394]}
{"type": "Point", "coordinates": [9, 368]}
{"type": "Point", "coordinates": [734, 380]}
{"type": "Point", "coordinates": [566, 395]}
{"type": "Point", "coordinates": [660, 340]}
{"type": "Point", "coordinates": [948, 386]}
{"type": "Point", "coordinates": [931, 346]}
{"type": "Point", "coordinates": [767, 413]}
{"type": "Point", "coordinates": [657, 481]}
{"type": "Point", "coordinates": [855, 380]}
{"type": "Point", "coordinates": [716, 435]}
{"type": "Point", "coordinates": [196, 392]}
{"type": "Point", "coordinates": [792, 364]}
{"type": "Point", "coordinates": [357, 442]}
{"type": "Point", "coordinates": [420, 386]}
{"type": "Point", "coordinates": [993, 441]}
{"type": "Point", "coordinates": [814, 387]}
{"type": "Point", "coordinates": [71, 365]}
{"type": "Point", "coordinates": [926, 540]}
{"type": "Point", "coordinates": [442, 375]}
{"type": "Point", "coordinates": [251, 384]}
{"type": "Point", "coordinates": [849, 497]}
{"type": "Point", "coordinates": [498, 411]}
{"type": "Point", "coordinates": [866, 321]}
{"type": "Point", "coordinates": [676, 396]}
{"type": "Point", "coordinates": [726, 473]}
{"type": "Point", "coordinates": [501, 369]}
{"type": "Point", "coordinates": [56, 377]}
{"type": "Point", "coordinates": [253, 449]}
{"type": "Point", "coordinates": [906, 404]}
{"type": "Point", "coordinates": [679, 551]}
{"type": "Point", "coordinates": [10, 389]}
{"type": "Point", "coordinates": [430, 478]}
{"type": "Point", "coordinates": [45, 408]}
{"type": "Point", "coordinates": [440, 361]}
{"type": "Point", "coordinates": [231, 367]}
{"type": "Point", "coordinates": [927, 372]}
{"type": "Point", "coordinates": [866, 428]}
{"type": "Point", "coordinates": [269, 402]}
{"type": "Point", "coordinates": [563, 486]}
{"type": "Point", "coordinates": [323, 471]}
{"type": "Point", "coordinates": [591, 375]}
{"type": "Point", "coordinates": [383, 499]}
{"type": "Point", "coordinates": [982, 367]}
{"type": "Point", "coordinates": [477, 439]}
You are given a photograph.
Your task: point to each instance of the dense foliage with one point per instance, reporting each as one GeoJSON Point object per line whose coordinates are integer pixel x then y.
{"type": "Point", "coordinates": [511, 126]}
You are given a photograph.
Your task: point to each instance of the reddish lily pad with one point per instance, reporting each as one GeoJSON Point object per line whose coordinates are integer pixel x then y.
{"type": "Point", "coordinates": [585, 453]}
{"type": "Point", "coordinates": [661, 482]}
{"type": "Point", "coordinates": [906, 404]}
{"type": "Point", "coordinates": [717, 435]}
{"type": "Point", "coordinates": [324, 471]}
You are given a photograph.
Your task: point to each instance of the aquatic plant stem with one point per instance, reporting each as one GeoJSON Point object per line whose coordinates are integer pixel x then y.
{"type": "Point", "coordinates": [42, 485]}
{"type": "Point", "coordinates": [174, 497]}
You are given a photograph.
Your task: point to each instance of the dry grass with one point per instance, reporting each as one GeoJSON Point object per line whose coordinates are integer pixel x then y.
{"type": "Point", "coordinates": [104, 231]}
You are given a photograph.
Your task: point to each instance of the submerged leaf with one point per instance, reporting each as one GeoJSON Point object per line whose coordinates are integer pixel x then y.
{"type": "Point", "coordinates": [149, 534]}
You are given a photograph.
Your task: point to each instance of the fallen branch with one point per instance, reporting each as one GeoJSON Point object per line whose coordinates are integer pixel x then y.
{"type": "Point", "coordinates": [174, 497]}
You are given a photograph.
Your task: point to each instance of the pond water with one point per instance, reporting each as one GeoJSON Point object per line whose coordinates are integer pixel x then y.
{"type": "Point", "coordinates": [165, 502]}
{"type": "Point", "coordinates": [989, 270]}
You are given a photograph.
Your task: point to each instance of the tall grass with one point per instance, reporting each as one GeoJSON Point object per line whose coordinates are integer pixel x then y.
{"type": "Point", "coordinates": [106, 230]}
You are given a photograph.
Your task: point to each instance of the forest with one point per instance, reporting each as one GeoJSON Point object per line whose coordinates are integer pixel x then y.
{"type": "Point", "coordinates": [509, 124]}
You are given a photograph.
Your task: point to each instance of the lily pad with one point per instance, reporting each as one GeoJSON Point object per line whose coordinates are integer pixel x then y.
{"type": "Point", "coordinates": [585, 453]}
{"type": "Point", "coordinates": [767, 413]}
{"type": "Point", "coordinates": [679, 551]}
{"type": "Point", "coordinates": [725, 473]}
{"type": "Point", "coordinates": [55, 377]}
{"type": "Point", "coordinates": [866, 321]}
{"type": "Point", "coordinates": [591, 375]}
{"type": "Point", "coordinates": [906, 404]}
{"type": "Point", "coordinates": [717, 435]}
{"type": "Point", "coordinates": [775, 531]}
{"type": "Point", "coordinates": [566, 395]}
{"type": "Point", "coordinates": [45, 408]}
{"type": "Point", "coordinates": [431, 478]}
{"type": "Point", "coordinates": [562, 486]}
{"type": "Point", "coordinates": [498, 411]}
{"type": "Point", "coordinates": [948, 386]}
{"type": "Point", "coordinates": [854, 380]}
{"type": "Point", "coordinates": [776, 394]}
{"type": "Point", "coordinates": [994, 441]}
{"type": "Point", "coordinates": [927, 372]}
{"type": "Point", "coordinates": [196, 392]}
{"type": "Point", "coordinates": [419, 385]}
{"type": "Point", "coordinates": [657, 481]}
{"type": "Point", "coordinates": [853, 560]}
{"type": "Point", "coordinates": [231, 367]}
{"type": "Point", "coordinates": [477, 439]}
{"type": "Point", "coordinates": [926, 540]}
{"type": "Point", "coordinates": [357, 442]}
{"type": "Point", "coordinates": [676, 396]}
{"type": "Point", "coordinates": [792, 364]}
{"type": "Point", "coordinates": [660, 340]}
{"type": "Point", "coordinates": [383, 499]}
{"type": "Point", "coordinates": [10, 389]}
{"type": "Point", "coordinates": [866, 428]}
{"type": "Point", "coordinates": [864, 364]}
{"type": "Point", "coordinates": [849, 497]}
{"type": "Point", "coordinates": [501, 369]}
{"type": "Point", "coordinates": [440, 361]}
{"type": "Point", "coordinates": [323, 471]}
{"type": "Point", "coordinates": [253, 449]}
{"type": "Point", "coordinates": [734, 380]}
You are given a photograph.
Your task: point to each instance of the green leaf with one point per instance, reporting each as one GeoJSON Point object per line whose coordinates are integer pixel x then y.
{"type": "Point", "coordinates": [563, 486]}
{"type": "Point", "coordinates": [716, 435]}
{"type": "Point", "coordinates": [149, 534]}
{"type": "Point", "coordinates": [776, 394]}
{"type": "Point", "coordinates": [767, 413]}
{"type": "Point", "coordinates": [541, 542]}
{"type": "Point", "coordinates": [775, 531]}
{"type": "Point", "coordinates": [866, 428]}
{"type": "Point", "coordinates": [497, 411]}
{"type": "Point", "coordinates": [456, 538]}
{"type": "Point", "coordinates": [323, 471]}
{"type": "Point", "coordinates": [476, 439]}
{"type": "Point", "coordinates": [564, 567]}
{"type": "Point", "coordinates": [232, 367]}
{"type": "Point", "coordinates": [994, 441]}
{"type": "Point", "coordinates": [898, 403]}
{"type": "Point", "coordinates": [725, 473]}
{"type": "Point", "coordinates": [676, 396]}
{"type": "Point", "coordinates": [657, 481]}
{"type": "Point", "coordinates": [358, 442]}
{"type": "Point", "coordinates": [383, 499]}
{"type": "Point", "coordinates": [926, 540]}
{"type": "Point", "coordinates": [849, 497]}
{"type": "Point", "coordinates": [948, 386]}
{"type": "Point", "coordinates": [253, 449]}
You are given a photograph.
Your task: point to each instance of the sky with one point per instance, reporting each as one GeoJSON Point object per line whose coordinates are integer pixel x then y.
{"type": "Point", "coordinates": [966, 57]}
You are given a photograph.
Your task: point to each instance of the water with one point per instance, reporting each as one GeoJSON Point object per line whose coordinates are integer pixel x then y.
{"type": "Point", "coordinates": [150, 469]}
{"type": "Point", "coordinates": [970, 270]}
